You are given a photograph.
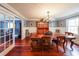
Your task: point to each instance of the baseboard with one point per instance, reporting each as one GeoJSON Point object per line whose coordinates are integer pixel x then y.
{"type": "Point", "coordinates": [6, 50]}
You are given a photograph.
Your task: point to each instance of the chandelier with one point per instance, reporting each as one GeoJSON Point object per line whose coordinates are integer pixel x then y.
{"type": "Point", "coordinates": [48, 17]}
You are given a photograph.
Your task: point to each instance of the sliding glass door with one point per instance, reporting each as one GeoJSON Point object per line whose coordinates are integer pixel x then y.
{"type": "Point", "coordinates": [1, 32]}
{"type": "Point", "coordinates": [6, 31]}
{"type": "Point", "coordinates": [11, 27]}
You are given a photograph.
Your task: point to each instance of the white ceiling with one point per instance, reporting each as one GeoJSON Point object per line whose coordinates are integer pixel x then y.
{"type": "Point", "coordinates": [38, 10]}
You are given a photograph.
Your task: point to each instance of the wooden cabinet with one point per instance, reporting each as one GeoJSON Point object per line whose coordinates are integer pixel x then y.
{"type": "Point", "coordinates": [42, 27]}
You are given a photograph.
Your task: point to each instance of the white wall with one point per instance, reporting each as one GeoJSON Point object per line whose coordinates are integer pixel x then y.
{"type": "Point", "coordinates": [53, 29]}
{"type": "Point", "coordinates": [60, 24]}
{"type": "Point", "coordinates": [31, 30]}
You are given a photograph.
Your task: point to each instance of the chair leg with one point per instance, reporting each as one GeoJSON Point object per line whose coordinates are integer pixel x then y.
{"type": "Point", "coordinates": [63, 47]}
{"type": "Point", "coordinates": [57, 48]}
{"type": "Point", "coordinates": [66, 42]}
{"type": "Point", "coordinates": [71, 45]}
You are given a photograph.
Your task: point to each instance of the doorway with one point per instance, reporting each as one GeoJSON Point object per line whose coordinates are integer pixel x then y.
{"type": "Point", "coordinates": [18, 29]}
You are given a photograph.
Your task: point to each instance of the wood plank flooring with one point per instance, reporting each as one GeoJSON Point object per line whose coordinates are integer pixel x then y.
{"type": "Point", "coordinates": [23, 48]}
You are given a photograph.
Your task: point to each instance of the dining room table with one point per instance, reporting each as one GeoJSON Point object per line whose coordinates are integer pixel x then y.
{"type": "Point", "coordinates": [35, 36]}
{"type": "Point", "coordinates": [38, 38]}
{"type": "Point", "coordinates": [70, 37]}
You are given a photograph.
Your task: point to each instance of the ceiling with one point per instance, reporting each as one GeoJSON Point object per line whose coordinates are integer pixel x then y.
{"type": "Point", "coordinates": [39, 10]}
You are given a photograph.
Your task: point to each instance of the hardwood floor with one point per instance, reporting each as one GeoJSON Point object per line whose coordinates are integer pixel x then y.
{"type": "Point", "coordinates": [23, 48]}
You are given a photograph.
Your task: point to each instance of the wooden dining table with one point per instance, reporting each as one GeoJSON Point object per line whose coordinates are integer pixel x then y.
{"type": "Point", "coordinates": [39, 35]}
{"type": "Point", "coordinates": [38, 38]}
{"type": "Point", "coordinates": [69, 37]}
{"type": "Point", "coordinates": [54, 35]}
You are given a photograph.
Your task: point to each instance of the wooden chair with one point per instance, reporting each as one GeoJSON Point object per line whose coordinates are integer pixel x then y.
{"type": "Point", "coordinates": [74, 42]}
{"type": "Point", "coordinates": [35, 44]}
{"type": "Point", "coordinates": [46, 43]}
{"type": "Point", "coordinates": [60, 41]}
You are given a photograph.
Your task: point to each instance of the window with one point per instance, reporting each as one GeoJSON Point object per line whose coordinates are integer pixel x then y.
{"type": "Point", "coordinates": [7, 37]}
{"type": "Point", "coordinates": [1, 32]}
{"type": "Point", "coordinates": [1, 28]}
{"type": "Point", "coordinates": [6, 31]}
{"type": "Point", "coordinates": [72, 25]}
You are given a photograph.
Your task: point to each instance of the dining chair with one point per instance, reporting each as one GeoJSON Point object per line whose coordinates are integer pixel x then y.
{"type": "Point", "coordinates": [35, 44]}
{"type": "Point", "coordinates": [60, 41]}
{"type": "Point", "coordinates": [74, 42]}
{"type": "Point", "coordinates": [46, 43]}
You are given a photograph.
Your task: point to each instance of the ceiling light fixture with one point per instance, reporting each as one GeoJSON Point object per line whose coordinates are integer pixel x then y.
{"type": "Point", "coordinates": [47, 18]}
